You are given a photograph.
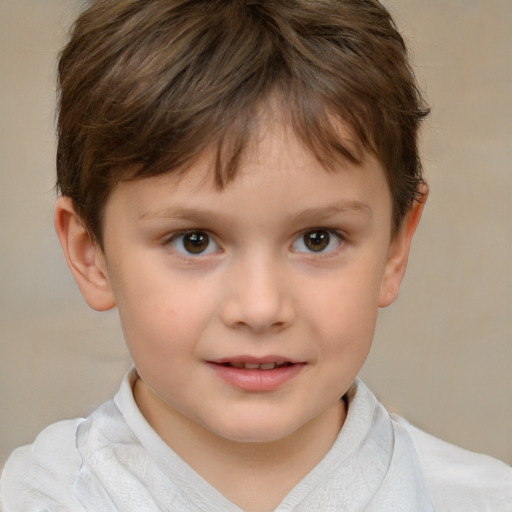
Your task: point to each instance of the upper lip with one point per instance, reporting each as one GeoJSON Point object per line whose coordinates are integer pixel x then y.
{"type": "Point", "coordinates": [256, 359]}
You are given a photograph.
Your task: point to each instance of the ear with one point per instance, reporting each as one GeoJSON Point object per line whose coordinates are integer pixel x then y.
{"type": "Point", "coordinates": [84, 256]}
{"type": "Point", "coordinates": [399, 251]}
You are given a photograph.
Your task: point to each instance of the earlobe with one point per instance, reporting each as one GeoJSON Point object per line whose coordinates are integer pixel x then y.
{"type": "Point", "coordinates": [399, 251]}
{"type": "Point", "coordinates": [84, 257]}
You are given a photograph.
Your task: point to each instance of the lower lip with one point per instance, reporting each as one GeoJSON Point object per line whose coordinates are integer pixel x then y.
{"type": "Point", "coordinates": [257, 380]}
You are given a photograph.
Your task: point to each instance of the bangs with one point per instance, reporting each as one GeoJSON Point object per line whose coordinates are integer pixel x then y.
{"type": "Point", "coordinates": [148, 87]}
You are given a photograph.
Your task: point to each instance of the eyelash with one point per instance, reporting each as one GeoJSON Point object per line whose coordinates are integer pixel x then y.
{"type": "Point", "coordinates": [339, 239]}
{"type": "Point", "coordinates": [200, 235]}
{"type": "Point", "coordinates": [323, 240]}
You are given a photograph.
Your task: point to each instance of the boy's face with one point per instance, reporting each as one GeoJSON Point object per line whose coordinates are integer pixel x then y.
{"type": "Point", "coordinates": [286, 266]}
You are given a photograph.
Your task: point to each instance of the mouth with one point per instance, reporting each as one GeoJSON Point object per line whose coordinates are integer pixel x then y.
{"type": "Point", "coordinates": [255, 366]}
{"type": "Point", "coordinates": [257, 374]}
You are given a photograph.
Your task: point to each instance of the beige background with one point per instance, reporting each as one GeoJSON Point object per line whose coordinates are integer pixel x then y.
{"type": "Point", "coordinates": [443, 352]}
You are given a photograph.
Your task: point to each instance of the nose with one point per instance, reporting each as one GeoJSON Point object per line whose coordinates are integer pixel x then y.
{"type": "Point", "coordinates": [258, 297]}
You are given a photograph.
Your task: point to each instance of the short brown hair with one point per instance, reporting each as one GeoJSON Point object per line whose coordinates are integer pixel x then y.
{"type": "Point", "coordinates": [147, 85]}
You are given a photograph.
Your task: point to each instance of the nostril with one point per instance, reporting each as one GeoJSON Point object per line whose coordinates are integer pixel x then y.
{"type": "Point", "coordinates": [257, 307]}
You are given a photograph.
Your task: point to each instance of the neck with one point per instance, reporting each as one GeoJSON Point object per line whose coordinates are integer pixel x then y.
{"type": "Point", "coordinates": [265, 471]}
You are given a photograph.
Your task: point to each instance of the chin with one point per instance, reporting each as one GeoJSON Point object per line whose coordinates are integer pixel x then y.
{"type": "Point", "coordinates": [255, 431]}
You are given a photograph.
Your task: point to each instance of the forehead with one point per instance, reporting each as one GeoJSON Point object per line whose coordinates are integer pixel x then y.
{"type": "Point", "coordinates": [277, 177]}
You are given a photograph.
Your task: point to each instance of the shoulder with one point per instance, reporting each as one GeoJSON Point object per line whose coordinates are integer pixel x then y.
{"type": "Point", "coordinates": [458, 479]}
{"type": "Point", "coordinates": [46, 475]}
{"type": "Point", "coordinates": [42, 474]}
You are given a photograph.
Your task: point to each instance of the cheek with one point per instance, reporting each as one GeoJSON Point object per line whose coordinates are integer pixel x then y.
{"type": "Point", "coordinates": [344, 342]}
{"type": "Point", "coordinates": [346, 311]}
{"type": "Point", "coordinates": [162, 332]}
{"type": "Point", "coordinates": [160, 314]}
{"type": "Point", "coordinates": [347, 338]}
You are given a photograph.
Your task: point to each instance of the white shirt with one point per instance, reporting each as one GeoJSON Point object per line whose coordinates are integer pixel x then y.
{"type": "Point", "coordinates": [114, 461]}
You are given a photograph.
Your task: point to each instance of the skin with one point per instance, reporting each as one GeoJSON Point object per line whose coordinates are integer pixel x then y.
{"type": "Point", "coordinates": [258, 291]}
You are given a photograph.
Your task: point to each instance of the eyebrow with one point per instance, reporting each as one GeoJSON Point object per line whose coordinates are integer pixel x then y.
{"type": "Point", "coordinates": [204, 216]}
{"type": "Point", "coordinates": [342, 207]}
{"type": "Point", "coordinates": [197, 215]}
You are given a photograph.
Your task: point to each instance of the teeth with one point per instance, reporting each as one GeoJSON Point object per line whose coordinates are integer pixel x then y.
{"type": "Point", "coordinates": [256, 366]}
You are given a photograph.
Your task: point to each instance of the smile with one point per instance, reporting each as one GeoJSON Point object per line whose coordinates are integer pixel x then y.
{"type": "Point", "coordinates": [250, 374]}
{"type": "Point", "coordinates": [256, 366]}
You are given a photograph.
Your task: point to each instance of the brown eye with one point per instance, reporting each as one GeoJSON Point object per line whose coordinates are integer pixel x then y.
{"type": "Point", "coordinates": [317, 241]}
{"type": "Point", "coordinates": [196, 242]}
{"type": "Point", "coordinates": [193, 243]}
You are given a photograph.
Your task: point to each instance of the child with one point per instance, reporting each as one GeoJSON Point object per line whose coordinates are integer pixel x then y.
{"type": "Point", "coordinates": [241, 180]}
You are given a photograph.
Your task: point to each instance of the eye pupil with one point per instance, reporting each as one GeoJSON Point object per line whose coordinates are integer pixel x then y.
{"type": "Point", "coordinates": [196, 242]}
{"type": "Point", "coordinates": [317, 240]}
